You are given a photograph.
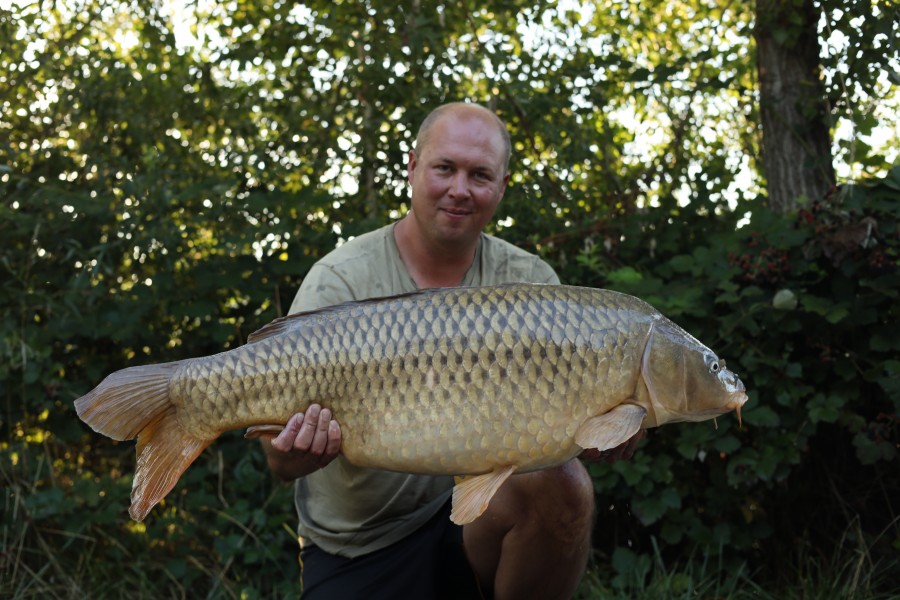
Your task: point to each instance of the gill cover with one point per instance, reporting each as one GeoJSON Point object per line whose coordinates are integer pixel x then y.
{"type": "Point", "coordinates": [683, 377]}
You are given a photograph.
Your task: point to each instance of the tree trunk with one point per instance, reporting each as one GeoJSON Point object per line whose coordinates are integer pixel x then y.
{"type": "Point", "coordinates": [796, 140]}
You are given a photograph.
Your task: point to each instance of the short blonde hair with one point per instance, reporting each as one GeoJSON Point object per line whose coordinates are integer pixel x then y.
{"type": "Point", "coordinates": [455, 107]}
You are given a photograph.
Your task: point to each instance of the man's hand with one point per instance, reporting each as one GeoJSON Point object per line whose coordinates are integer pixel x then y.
{"type": "Point", "coordinates": [623, 451]}
{"type": "Point", "coordinates": [308, 442]}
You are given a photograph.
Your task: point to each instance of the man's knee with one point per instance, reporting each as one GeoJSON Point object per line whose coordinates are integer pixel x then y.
{"type": "Point", "coordinates": [558, 500]}
{"type": "Point", "coordinates": [572, 492]}
{"type": "Point", "coordinates": [574, 484]}
{"type": "Point", "coordinates": [535, 520]}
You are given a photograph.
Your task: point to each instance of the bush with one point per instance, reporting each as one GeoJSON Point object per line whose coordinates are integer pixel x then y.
{"type": "Point", "coordinates": [803, 307]}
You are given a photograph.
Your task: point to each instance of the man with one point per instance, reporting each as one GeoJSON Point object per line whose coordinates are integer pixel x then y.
{"type": "Point", "coordinates": [375, 534]}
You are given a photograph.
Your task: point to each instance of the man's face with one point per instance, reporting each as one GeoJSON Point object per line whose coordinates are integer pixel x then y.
{"type": "Point", "coordinates": [457, 178]}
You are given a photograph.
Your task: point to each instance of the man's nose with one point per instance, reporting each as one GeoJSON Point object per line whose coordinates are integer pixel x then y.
{"type": "Point", "coordinates": [459, 187]}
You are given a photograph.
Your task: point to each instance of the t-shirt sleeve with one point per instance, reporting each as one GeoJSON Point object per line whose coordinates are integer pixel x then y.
{"type": "Point", "coordinates": [321, 287]}
{"type": "Point", "coordinates": [544, 273]}
{"type": "Point", "coordinates": [502, 262]}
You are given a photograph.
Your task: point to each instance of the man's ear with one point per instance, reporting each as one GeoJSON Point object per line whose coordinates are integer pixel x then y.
{"type": "Point", "coordinates": [411, 162]}
{"type": "Point", "coordinates": [505, 183]}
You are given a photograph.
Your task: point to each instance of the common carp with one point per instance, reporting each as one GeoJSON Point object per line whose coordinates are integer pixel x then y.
{"type": "Point", "coordinates": [479, 382]}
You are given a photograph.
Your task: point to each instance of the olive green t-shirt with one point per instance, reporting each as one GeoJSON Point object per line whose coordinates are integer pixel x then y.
{"type": "Point", "coordinates": [348, 510]}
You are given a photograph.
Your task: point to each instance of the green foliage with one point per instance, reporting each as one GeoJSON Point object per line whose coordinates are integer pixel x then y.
{"type": "Point", "coordinates": [161, 201]}
{"type": "Point", "coordinates": [820, 431]}
{"type": "Point", "coordinates": [636, 575]}
{"type": "Point", "coordinates": [846, 573]}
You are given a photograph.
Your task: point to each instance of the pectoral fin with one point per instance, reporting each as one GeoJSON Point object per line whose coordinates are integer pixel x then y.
{"type": "Point", "coordinates": [263, 431]}
{"type": "Point", "coordinates": [471, 495]}
{"type": "Point", "coordinates": [611, 428]}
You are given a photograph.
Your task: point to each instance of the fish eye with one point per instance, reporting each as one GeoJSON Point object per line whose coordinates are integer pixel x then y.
{"type": "Point", "coordinates": [713, 363]}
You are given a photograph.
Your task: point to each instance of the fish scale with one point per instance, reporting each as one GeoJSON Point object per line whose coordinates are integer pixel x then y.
{"type": "Point", "coordinates": [460, 381]}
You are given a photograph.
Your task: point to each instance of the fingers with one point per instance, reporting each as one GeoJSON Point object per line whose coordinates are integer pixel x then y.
{"type": "Point", "coordinates": [334, 439]}
{"type": "Point", "coordinates": [591, 455]}
{"type": "Point", "coordinates": [623, 451]}
{"type": "Point", "coordinates": [314, 433]}
{"type": "Point", "coordinates": [627, 449]}
{"type": "Point", "coordinates": [284, 441]}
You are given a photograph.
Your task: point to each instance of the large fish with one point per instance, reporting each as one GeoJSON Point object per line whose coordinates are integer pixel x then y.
{"type": "Point", "coordinates": [481, 382]}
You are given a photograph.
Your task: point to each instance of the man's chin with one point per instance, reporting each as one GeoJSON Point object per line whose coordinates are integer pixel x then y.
{"type": "Point", "coordinates": [456, 237]}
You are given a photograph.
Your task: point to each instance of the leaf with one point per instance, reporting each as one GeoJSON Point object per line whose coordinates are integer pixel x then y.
{"type": "Point", "coordinates": [825, 408]}
{"type": "Point", "coordinates": [761, 416]}
{"type": "Point", "coordinates": [727, 443]}
{"type": "Point", "coordinates": [884, 341]}
{"type": "Point", "coordinates": [682, 263]}
{"type": "Point", "coordinates": [624, 276]}
{"type": "Point", "coordinates": [815, 304]}
{"type": "Point", "coordinates": [893, 178]}
{"type": "Point", "coordinates": [870, 449]}
{"type": "Point", "coordinates": [633, 471]}
{"type": "Point", "coordinates": [836, 314]}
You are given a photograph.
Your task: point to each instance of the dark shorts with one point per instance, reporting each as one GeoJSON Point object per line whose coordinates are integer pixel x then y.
{"type": "Point", "coordinates": [428, 564]}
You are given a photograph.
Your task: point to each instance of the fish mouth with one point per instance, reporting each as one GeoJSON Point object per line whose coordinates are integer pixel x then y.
{"type": "Point", "coordinates": [737, 393]}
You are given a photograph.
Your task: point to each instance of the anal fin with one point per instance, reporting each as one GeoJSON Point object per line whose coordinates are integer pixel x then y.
{"type": "Point", "coordinates": [611, 428]}
{"type": "Point", "coordinates": [471, 495]}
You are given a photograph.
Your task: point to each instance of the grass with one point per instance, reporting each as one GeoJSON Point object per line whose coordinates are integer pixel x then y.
{"type": "Point", "coordinates": [39, 562]}
{"type": "Point", "coordinates": [848, 573]}
{"type": "Point", "coordinates": [54, 551]}
{"type": "Point", "coordinates": [210, 553]}
{"type": "Point", "coordinates": [649, 578]}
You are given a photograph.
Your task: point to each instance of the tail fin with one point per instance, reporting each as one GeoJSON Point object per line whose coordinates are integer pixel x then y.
{"type": "Point", "coordinates": [135, 403]}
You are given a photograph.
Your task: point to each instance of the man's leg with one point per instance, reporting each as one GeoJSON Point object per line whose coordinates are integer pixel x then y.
{"type": "Point", "coordinates": [533, 540]}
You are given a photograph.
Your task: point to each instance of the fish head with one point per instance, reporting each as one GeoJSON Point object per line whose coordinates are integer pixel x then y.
{"type": "Point", "coordinates": [684, 379]}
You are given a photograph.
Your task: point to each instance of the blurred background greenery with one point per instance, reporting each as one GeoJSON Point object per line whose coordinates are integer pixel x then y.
{"type": "Point", "coordinates": [170, 170]}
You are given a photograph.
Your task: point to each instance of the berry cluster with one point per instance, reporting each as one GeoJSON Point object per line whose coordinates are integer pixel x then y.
{"type": "Point", "coordinates": [762, 263]}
